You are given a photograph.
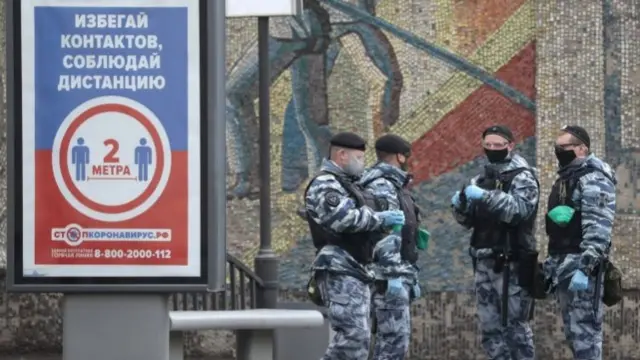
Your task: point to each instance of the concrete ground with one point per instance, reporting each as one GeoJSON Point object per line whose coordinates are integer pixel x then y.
{"type": "Point", "coordinates": [59, 357]}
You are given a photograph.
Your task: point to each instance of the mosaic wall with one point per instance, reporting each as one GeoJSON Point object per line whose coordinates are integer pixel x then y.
{"type": "Point", "coordinates": [436, 72]}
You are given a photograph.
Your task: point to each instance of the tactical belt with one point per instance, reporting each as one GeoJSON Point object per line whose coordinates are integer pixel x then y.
{"type": "Point", "coordinates": [564, 252]}
{"type": "Point", "coordinates": [500, 259]}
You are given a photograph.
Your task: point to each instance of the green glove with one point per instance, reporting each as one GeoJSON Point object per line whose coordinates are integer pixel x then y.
{"type": "Point", "coordinates": [423, 239]}
{"type": "Point", "coordinates": [561, 215]}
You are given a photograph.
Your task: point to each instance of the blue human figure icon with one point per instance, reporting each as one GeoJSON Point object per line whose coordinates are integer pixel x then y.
{"type": "Point", "coordinates": [143, 157]}
{"type": "Point", "coordinates": [80, 158]}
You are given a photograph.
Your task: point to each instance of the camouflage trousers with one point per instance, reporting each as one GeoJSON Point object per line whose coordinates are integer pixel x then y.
{"type": "Point", "coordinates": [582, 319]}
{"type": "Point", "coordinates": [515, 341]}
{"type": "Point", "coordinates": [348, 301]}
{"type": "Point", "coordinates": [393, 321]}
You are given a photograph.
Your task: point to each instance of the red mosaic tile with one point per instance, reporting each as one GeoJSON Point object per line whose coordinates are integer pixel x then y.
{"type": "Point", "coordinates": [476, 20]}
{"type": "Point", "coordinates": [456, 139]}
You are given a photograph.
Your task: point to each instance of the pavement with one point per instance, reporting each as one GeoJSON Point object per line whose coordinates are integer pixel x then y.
{"type": "Point", "coordinates": [59, 357]}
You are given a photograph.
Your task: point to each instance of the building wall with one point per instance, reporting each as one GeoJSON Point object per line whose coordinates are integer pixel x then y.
{"type": "Point", "coordinates": [436, 72]}
{"type": "Point", "coordinates": [402, 78]}
{"type": "Point", "coordinates": [393, 77]}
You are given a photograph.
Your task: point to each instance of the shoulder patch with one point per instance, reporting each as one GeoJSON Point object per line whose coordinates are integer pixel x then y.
{"type": "Point", "coordinates": [603, 200]}
{"type": "Point", "coordinates": [332, 198]}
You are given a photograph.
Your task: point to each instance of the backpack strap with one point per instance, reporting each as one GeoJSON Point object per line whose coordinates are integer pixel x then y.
{"type": "Point", "coordinates": [515, 172]}
{"type": "Point", "coordinates": [321, 172]}
{"type": "Point", "coordinates": [591, 169]}
{"type": "Point", "coordinates": [510, 175]}
{"type": "Point", "coordinates": [347, 185]}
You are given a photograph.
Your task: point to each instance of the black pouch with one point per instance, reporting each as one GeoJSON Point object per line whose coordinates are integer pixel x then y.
{"type": "Point", "coordinates": [499, 263]}
{"type": "Point", "coordinates": [527, 269]}
{"type": "Point", "coordinates": [540, 285]}
{"type": "Point", "coordinates": [313, 291]}
{"type": "Point", "coordinates": [612, 284]}
{"type": "Point", "coordinates": [380, 286]}
{"type": "Point", "coordinates": [530, 275]}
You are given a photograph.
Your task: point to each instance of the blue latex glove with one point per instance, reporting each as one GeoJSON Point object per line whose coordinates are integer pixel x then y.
{"type": "Point", "coordinates": [455, 200]}
{"type": "Point", "coordinates": [395, 287]}
{"type": "Point", "coordinates": [416, 291]}
{"type": "Point", "coordinates": [391, 217]}
{"type": "Point", "coordinates": [473, 192]}
{"type": "Point", "coordinates": [579, 281]}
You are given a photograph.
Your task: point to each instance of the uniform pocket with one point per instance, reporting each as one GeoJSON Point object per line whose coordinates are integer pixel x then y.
{"type": "Point", "coordinates": [345, 313]}
{"type": "Point", "coordinates": [339, 299]}
{"type": "Point", "coordinates": [394, 322]}
{"type": "Point", "coordinates": [313, 292]}
{"type": "Point", "coordinates": [520, 302]}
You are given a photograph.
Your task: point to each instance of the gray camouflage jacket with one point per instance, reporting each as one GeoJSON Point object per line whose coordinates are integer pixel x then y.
{"type": "Point", "coordinates": [382, 180]}
{"type": "Point", "coordinates": [509, 206]}
{"type": "Point", "coordinates": [595, 197]}
{"type": "Point", "coordinates": [330, 205]}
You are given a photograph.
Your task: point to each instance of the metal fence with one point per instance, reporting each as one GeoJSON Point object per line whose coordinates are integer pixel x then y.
{"type": "Point", "coordinates": [240, 292]}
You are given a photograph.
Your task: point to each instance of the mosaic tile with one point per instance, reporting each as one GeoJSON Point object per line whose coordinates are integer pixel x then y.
{"type": "Point", "coordinates": [569, 82]}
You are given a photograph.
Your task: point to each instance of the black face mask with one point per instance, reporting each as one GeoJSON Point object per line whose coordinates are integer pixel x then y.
{"type": "Point", "coordinates": [407, 180]}
{"type": "Point", "coordinates": [495, 156]}
{"type": "Point", "coordinates": [565, 157]}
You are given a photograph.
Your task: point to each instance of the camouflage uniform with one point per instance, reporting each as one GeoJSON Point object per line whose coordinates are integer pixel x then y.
{"type": "Point", "coordinates": [343, 281]}
{"type": "Point", "coordinates": [392, 312]}
{"type": "Point", "coordinates": [519, 202]}
{"type": "Point", "coordinates": [595, 198]}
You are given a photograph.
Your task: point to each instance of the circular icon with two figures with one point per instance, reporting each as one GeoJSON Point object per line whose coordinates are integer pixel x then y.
{"type": "Point", "coordinates": [111, 158]}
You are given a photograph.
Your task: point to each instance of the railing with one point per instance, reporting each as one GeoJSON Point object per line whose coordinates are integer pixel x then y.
{"type": "Point", "coordinates": [240, 293]}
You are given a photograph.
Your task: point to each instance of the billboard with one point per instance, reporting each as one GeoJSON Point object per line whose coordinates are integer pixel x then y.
{"type": "Point", "coordinates": [107, 125]}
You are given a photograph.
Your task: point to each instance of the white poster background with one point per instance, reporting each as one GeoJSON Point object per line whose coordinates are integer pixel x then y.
{"type": "Point", "coordinates": [192, 269]}
{"type": "Point", "coordinates": [252, 8]}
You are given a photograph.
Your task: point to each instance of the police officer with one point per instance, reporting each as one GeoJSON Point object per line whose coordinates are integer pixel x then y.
{"type": "Point", "coordinates": [394, 256]}
{"type": "Point", "coordinates": [501, 206]}
{"type": "Point", "coordinates": [581, 209]}
{"type": "Point", "coordinates": [342, 222]}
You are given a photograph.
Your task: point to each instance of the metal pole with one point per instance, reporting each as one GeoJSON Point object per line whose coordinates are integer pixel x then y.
{"type": "Point", "coordinates": [216, 144]}
{"type": "Point", "coordinates": [265, 133]}
{"type": "Point", "coordinates": [266, 262]}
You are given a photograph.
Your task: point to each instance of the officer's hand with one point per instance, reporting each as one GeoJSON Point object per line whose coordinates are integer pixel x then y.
{"type": "Point", "coordinates": [395, 288]}
{"type": "Point", "coordinates": [455, 200]}
{"type": "Point", "coordinates": [416, 291]}
{"type": "Point", "coordinates": [391, 217]}
{"type": "Point", "coordinates": [579, 281]}
{"type": "Point", "coordinates": [473, 192]}
{"type": "Point", "coordinates": [423, 239]}
{"type": "Point", "coordinates": [302, 212]}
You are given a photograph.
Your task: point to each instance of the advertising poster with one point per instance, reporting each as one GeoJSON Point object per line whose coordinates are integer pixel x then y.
{"type": "Point", "coordinates": [111, 138]}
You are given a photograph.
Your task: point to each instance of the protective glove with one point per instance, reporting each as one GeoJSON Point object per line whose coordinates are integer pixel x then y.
{"type": "Point", "coordinates": [561, 215]}
{"type": "Point", "coordinates": [579, 281]}
{"type": "Point", "coordinates": [416, 291]}
{"type": "Point", "coordinates": [474, 192]}
{"type": "Point", "coordinates": [423, 239]}
{"type": "Point", "coordinates": [395, 288]}
{"type": "Point", "coordinates": [455, 200]}
{"type": "Point", "coordinates": [391, 217]}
